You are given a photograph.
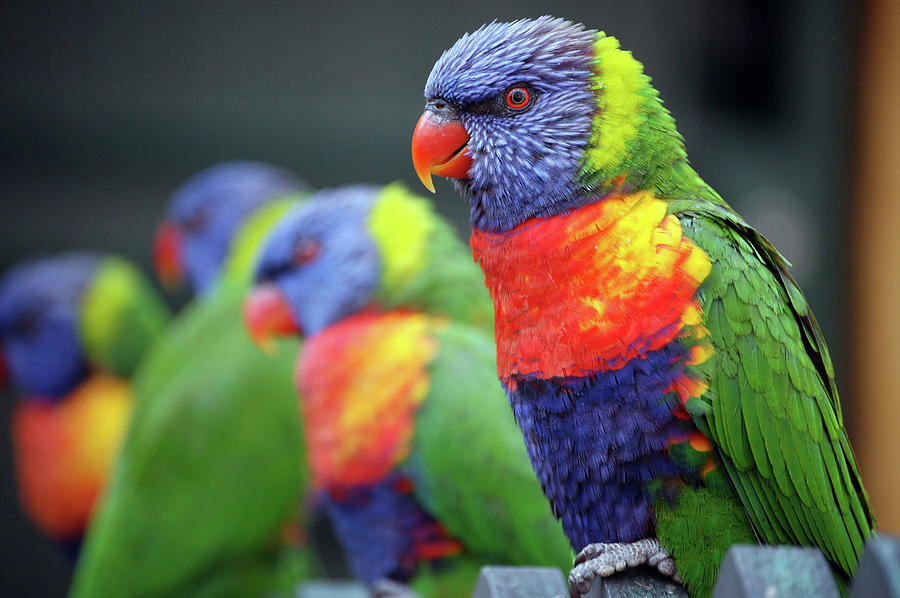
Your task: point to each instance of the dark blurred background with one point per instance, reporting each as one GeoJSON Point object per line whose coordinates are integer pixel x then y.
{"type": "Point", "coordinates": [105, 107]}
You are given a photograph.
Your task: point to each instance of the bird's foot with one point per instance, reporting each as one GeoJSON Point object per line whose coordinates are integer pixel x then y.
{"type": "Point", "coordinates": [602, 560]}
{"type": "Point", "coordinates": [388, 588]}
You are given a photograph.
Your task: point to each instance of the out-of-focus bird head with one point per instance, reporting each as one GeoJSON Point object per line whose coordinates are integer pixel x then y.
{"type": "Point", "coordinates": [319, 265]}
{"type": "Point", "coordinates": [343, 251]}
{"type": "Point", "coordinates": [40, 305]}
{"type": "Point", "coordinates": [206, 213]}
{"type": "Point", "coordinates": [532, 117]}
{"type": "Point", "coordinates": [62, 316]}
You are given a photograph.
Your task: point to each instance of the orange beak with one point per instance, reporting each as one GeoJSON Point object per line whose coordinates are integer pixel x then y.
{"type": "Point", "coordinates": [439, 147]}
{"type": "Point", "coordinates": [267, 314]}
{"type": "Point", "coordinates": [167, 254]}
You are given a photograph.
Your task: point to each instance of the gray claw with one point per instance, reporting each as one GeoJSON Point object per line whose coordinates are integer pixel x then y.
{"type": "Point", "coordinates": [604, 559]}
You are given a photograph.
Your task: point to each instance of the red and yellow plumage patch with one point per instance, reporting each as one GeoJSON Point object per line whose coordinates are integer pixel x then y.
{"type": "Point", "coordinates": [64, 451]}
{"type": "Point", "coordinates": [362, 381]}
{"type": "Point", "coordinates": [592, 289]}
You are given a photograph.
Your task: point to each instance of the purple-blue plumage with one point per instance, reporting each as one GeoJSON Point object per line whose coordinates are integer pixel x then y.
{"type": "Point", "coordinates": [598, 442]}
{"type": "Point", "coordinates": [40, 304]}
{"type": "Point", "coordinates": [346, 271]}
{"type": "Point", "coordinates": [537, 155]}
{"type": "Point", "coordinates": [376, 526]}
{"type": "Point", "coordinates": [211, 206]}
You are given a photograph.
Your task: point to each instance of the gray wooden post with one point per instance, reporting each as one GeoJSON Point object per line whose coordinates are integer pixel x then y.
{"type": "Point", "coordinates": [520, 582]}
{"type": "Point", "coordinates": [546, 582]}
{"type": "Point", "coordinates": [775, 572]}
{"type": "Point", "coordinates": [332, 589]}
{"type": "Point", "coordinates": [640, 582]}
{"type": "Point", "coordinates": [878, 573]}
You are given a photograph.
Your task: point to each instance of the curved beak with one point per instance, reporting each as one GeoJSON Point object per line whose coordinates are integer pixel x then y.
{"type": "Point", "coordinates": [267, 314]}
{"type": "Point", "coordinates": [167, 254]}
{"type": "Point", "coordinates": [439, 147]}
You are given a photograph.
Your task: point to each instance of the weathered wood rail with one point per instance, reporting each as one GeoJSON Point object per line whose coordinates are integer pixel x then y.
{"type": "Point", "coordinates": [747, 572]}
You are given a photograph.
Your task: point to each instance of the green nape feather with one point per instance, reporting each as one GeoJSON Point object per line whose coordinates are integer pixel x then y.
{"type": "Point", "coordinates": [470, 464]}
{"type": "Point", "coordinates": [121, 316]}
{"type": "Point", "coordinates": [425, 263]}
{"type": "Point", "coordinates": [634, 142]}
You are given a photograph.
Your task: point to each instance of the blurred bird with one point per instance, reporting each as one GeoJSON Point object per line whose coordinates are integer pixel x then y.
{"type": "Point", "coordinates": [208, 492]}
{"type": "Point", "coordinates": [205, 215]}
{"type": "Point", "coordinates": [673, 387]}
{"type": "Point", "coordinates": [422, 472]}
{"type": "Point", "coordinates": [73, 327]}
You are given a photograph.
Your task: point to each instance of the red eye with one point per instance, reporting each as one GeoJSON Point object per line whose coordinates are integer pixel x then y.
{"type": "Point", "coordinates": [518, 97]}
{"type": "Point", "coordinates": [306, 250]}
{"type": "Point", "coordinates": [196, 222]}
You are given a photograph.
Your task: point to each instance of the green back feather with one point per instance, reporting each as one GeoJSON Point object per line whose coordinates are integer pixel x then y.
{"type": "Point", "coordinates": [211, 468]}
{"type": "Point", "coordinates": [213, 465]}
{"type": "Point", "coordinates": [470, 463]}
{"type": "Point", "coordinates": [772, 409]}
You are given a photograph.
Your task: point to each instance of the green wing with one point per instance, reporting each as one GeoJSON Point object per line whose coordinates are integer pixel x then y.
{"type": "Point", "coordinates": [470, 464]}
{"type": "Point", "coordinates": [772, 408]}
{"type": "Point", "coordinates": [212, 467]}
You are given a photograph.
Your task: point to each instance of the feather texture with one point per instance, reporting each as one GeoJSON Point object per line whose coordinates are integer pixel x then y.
{"type": "Point", "coordinates": [623, 255]}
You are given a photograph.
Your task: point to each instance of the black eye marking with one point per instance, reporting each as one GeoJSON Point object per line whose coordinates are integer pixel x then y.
{"type": "Point", "coordinates": [306, 249]}
{"type": "Point", "coordinates": [513, 100]}
{"type": "Point", "coordinates": [27, 324]}
{"type": "Point", "coordinates": [197, 221]}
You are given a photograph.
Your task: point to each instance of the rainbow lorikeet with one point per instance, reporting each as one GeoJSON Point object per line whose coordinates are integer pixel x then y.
{"type": "Point", "coordinates": [207, 496]}
{"type": "Point", "coordinates": [207, 212]}
{"type": "Point", "coordinates": [419, 467]}
{"type": "Point", "coordinates": [73, 327]}
{"type": "Point", "coordinates": [673, 387]}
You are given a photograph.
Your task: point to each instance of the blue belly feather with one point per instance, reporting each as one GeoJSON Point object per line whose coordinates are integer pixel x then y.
{"type": "Point", "coordinates": [596, 442]}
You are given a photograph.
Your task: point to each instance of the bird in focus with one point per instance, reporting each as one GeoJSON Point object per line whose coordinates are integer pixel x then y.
{"type": "Point", "coordinates": [208, 496]}
{"type": "Point", "coordinates": [672, 385]}
{"type": "Point", "coordinates": [412, 451]}
{"type": "Point", "coordinates": [73, 328]}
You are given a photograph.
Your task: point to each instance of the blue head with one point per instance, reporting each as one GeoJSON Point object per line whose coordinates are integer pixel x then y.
{"type": "Point", "coordinates": [40, 312]}
{"type": "Point", "coordinates": [322, 260]}
{"type": "Point", "coordinates": [206, 213]}
{"type": "Point", "coordinates": [522, 93]}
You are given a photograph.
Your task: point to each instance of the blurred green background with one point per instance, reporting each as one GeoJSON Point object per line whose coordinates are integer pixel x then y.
{"type": "Point", "coordinates": [105, 107]}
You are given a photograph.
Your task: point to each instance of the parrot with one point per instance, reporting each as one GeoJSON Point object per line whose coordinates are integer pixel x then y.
{"type": "Point", "coordinates": [412, 450]}
{"type": "Point", "coordinates": [205, 214]}
{"type": "Point", "coordinates": [208, 492]}
{"type": "Point", "coordinates": [73, 328]}
{"type": "Point", "coordinates": [672, 385]}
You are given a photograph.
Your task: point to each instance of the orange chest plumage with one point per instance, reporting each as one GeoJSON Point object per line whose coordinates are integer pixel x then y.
{"type": "Point", "coordinates": [64, 452]}
{"type": "Point", "coordinates": [592, 289]}
{"type": "Point", "coordinates": [361, 382]}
